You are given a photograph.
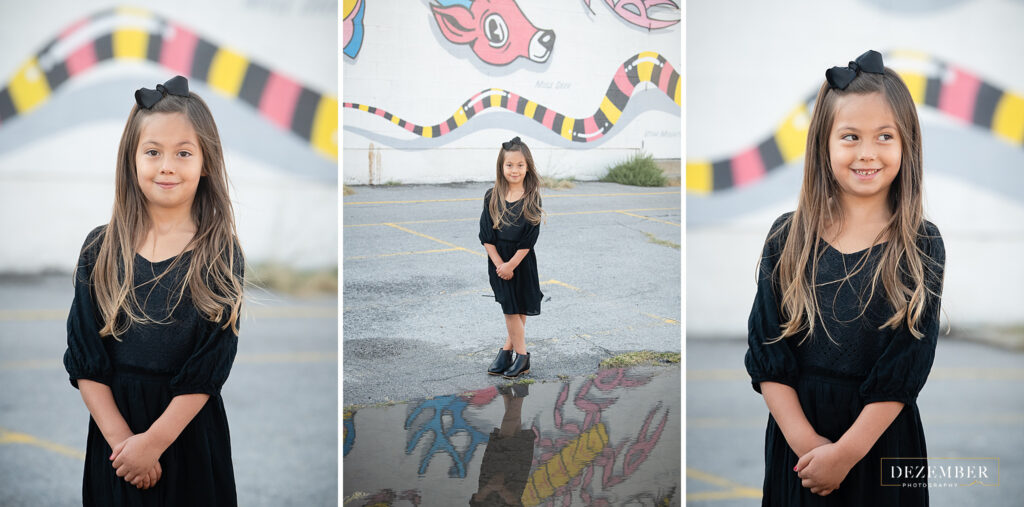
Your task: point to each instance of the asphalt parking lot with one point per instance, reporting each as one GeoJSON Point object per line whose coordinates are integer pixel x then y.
{"type": "Point", "coordinates": [419, 317]}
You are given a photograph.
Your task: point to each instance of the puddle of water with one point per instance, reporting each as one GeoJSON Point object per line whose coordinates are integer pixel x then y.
{"type": "Point", "coordinates": [613, 439]}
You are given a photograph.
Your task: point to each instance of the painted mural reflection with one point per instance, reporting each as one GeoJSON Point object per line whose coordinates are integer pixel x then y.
{"type": "Point", "coordinates": [610, 439]}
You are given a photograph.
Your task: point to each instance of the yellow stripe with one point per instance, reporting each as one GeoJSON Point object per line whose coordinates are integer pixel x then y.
{"type": "Point", "coordinates": [610, 111]}
{"type": "Point", "coordinates": [495, 99]}
{"type": "Point", "coordinates": [531, 108]}
{"type": "Point", "coordinates": [29, 88]}
{"type": "Point", "coordinates": [324, 136]}
{"type": "Point", "coordinates": [133, 11]}
{"type": "Point", "coordinates": [567, 125]}
{"type": "Point", "coordinates": [395, 120]}
{"type": "Point", "coordinates": [428, 131]}
{"type": "Point", "coordinates": [679, 91]}
{"type": "Point", "coordinates": [562, 467]}
{"type": "Point", "coordinates": [643, 70]}
{"type": "Point", "coordinates": [698, 177]}
{"type": "Point", "coordinates": [364, 107]}
{"type": "Point", "coordinates": [1008, 120]}
{"type": "Point", "coordinates": [460, 117]}
{"type": "Point", "coordinates": [647, 54]}
{"type": "Point", "coordinates": [792, 134]}
{"type": "Point", "coordinates": [916, 83]}
{"type": "Point", "coordinates": [130, 43]}
{"type": "Point", "coordinates": [227, 71]}
{"type": "Point", "coordinates": [11, 437]}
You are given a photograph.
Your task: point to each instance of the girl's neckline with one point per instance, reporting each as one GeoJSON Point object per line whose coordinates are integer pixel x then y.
{"type": "Point", "coordinates": [161, 261]}
{"type": "Point", "coordinates": [861, 251]}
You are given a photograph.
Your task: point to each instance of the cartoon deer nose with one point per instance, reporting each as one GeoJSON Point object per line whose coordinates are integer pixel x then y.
{"type": "Point", "coordinates": [541, 45]}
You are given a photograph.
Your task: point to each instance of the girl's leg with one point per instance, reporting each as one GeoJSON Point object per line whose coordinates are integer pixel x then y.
{"type": "Point", "coordinates": [516, 333]}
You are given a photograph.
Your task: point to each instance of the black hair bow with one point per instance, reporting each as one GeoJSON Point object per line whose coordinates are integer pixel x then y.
{"type": "Point", "coordinates": [507, 145]}
{"type": "Point", "coordinates": [147, 98]}
{"type": "Point", "coordinates": [841, 77]}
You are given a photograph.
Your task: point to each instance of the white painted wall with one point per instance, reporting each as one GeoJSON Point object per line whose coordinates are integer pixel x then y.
{"type": "Point", "coordinates": [59, 185]}
{"type": "Point", "coordinates": [751, 62]}
{"type": "Point", "coordinates": [408, 69]}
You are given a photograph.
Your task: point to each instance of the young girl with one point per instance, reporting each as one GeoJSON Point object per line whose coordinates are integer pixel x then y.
{"type": "Point", "coordinates": [509, 225]}
{"type": "Point", "coordinates": [843, 329]}
{"type": "Point", "coordinates": [153, 327]}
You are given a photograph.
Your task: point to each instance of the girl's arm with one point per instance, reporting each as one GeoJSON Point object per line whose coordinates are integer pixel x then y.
{"type": "Point", "coordinates": [785, 407]}
{"type": "Point", "coordinates": [100, 401]}
{"type": "Point", "coordinates": [518, 257]}
{"type": "Point", "coordinates": [492, 253]}
{"type": "Point", "coordinates": [868, 427]}
{"type": "Point", "coordinates": [139, 453]}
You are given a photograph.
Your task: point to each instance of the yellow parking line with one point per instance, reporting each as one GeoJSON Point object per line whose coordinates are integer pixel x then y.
{"type": "Point", "coordinates": [441, 241]}
{"type": "Point", "coordinates": [647, 218]}
{"type": "Point", "coordinates": [563, 284]}
{"type": "Point", "coordinates": [733, 489]}
{"type": "Point", "coordinates": [13, 437]}
{"type": "Point", "coordinates": [439, 250]}
{"type": "Point", "coordinates": [663, 319]}
{"type": "Point", "coordinates": [546, 196]}
{"type": "Point", "coordinates": [445, 220]}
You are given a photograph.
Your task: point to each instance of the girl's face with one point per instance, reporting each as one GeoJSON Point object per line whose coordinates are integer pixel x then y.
{"type": "Point", "coordinates": [168, 161]}
{"type": "Point", "coordinates": [514, 167]}
{"type": "Point", "coordinates": [864, 145]}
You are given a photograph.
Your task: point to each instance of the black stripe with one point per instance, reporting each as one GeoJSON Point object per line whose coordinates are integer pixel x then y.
{"type": "Point", "coordinates": [470, 112]}
{"type": "Point", "coordinates": [504, 101]}
{"type": "Point", "coordinates": [579, 130]}
{"type": "Point", "coordinates": [985, 104]}
{"type": "Point", "coordinates": [721, 174]}
{"type": "Point", "coordinates": [556, 125]}
{"type": "Point", "coordinates": [7, 110]}
{"type": "Point", "coordinates": [371, 109]}
{"type": "Point", "coordinates": [633, 75]}
{"type": "Point", "coordinates": [656, 74]}
{"type": "Point", "coordinates": [388, 116]}
{"type": "Point", "coordinates": [253, 84]}
{"type": "Point", "coordinates": [305, 108]}
{"type": "Point", "coordinates": [616, 96]}
{"type": "Point", "coordinates": [154, 47]}
{"type": "Point", "coordinates": [631, 62]}
{"type": "Point", "coordinates": [57, 75]}
{"type": "Point", "coordinates": [521, 105]}
{"type": "Point", "coordinates": [538, 114]}
{"type": "Point", "coordinates": [401, 123]}
{"type": "Point", "coordinates": [932, 88]}
{"type": "Point", "coordinates": [417, 130]}
{"type": "Point", "coordinates": [202, 58]}
{"type": "Point", "coordinates": [771, 157]}
{"type": "Point", "coordinates": [602, 121]}
{"type": "Point", "coordinates": [104, 47]}
{"type": "Point", "coordinates": [673, 80]}
{"type": "Point", "coordinates": [451, 124]}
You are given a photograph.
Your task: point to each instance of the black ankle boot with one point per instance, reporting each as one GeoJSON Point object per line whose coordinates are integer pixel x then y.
{"type": "Point", "coordinates": [519, 367]}
{"type": "Point", "coordinates": [501, 363]}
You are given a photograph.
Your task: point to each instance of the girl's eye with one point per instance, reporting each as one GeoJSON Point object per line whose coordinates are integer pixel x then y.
{"type": "Point", "coordinates": [184, 154]}
{"type": "Point", "coordinates": [886, 137]}
{"type": "Point", "coordinates": [849, 137]}
{"type": "Point", "coordinates": [151, 153]}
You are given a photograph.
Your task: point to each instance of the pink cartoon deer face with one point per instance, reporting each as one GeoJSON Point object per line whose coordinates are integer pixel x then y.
{"type": "Point", "coordinates": [497, 30]}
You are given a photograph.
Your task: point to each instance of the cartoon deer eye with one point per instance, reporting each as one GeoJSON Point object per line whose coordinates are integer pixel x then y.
{"type": "Point", "coordinates": [496, 30]}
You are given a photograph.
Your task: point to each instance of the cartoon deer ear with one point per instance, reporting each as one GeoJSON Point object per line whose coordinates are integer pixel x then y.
{"type": "Point", "coordinates": [456, 23]}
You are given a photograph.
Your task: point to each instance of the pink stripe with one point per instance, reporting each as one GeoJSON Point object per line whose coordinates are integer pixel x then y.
{"type": "Point", "coordinates": [666, 73]}
{"type": "Point", "coordinates": [81, 59]}
{"type": "Point", "coordinates": [409, 126]}
{"type": "Point", "coordinates": [957, 98]}
{"type": "Point", "coordinates": [279, 98]}
{"type": "Point", "coordinates": [380, 112]}
{"type": "Point", "coordinates": [623, 81]}
{"type": "Point", "coordinates": [348, 104]}
{"type": "Point", "coordinates": [589, 126]}
{"type": "Point", "coordinates": [74, 26]}
{"type": "Point", "coordinates": [177, 51]}
{"type": "Point", "coordinates": [747, 167]}
{"type": "Point", "coordinates": [595, 137]}
{"type": "Point", "coordinates": [479, 106]}
{"type": "Point", "coordinates": [444, 128]}
{"type": "Point", "coordinates": [549, 118]}
{"type": "Point", "coordinates": [513, 100]}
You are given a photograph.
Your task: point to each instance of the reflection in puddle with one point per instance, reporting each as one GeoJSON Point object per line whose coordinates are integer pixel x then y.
{"type": "Point", "coordinates": [611, 439]}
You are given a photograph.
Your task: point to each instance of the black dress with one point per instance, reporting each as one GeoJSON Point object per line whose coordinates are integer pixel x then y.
{"type": "Point", "coordinates": [150, 365]}
{"type": "Point", "coordinates": [834, 381]}
{"type": "Point", "coordinates": [521, 294]}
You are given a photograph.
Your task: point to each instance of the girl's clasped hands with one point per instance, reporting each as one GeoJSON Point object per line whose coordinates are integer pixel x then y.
{"type": "Point", "coordinates": [137, 461]}
{"type": "Point", "coordinates": [824, 467]}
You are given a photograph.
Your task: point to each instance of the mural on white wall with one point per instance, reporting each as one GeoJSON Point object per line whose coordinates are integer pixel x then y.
{"type": "Point", "coordinates": [352, 21]}
{"type": "Point", "coordinates": [497, 31]}
{"type": "Point", "coordinates": [639, 12]}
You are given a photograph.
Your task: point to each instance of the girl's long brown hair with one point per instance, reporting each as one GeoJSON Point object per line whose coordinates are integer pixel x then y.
{"type": "Point", "coordinates": [498, 207]}
{"type": "Point", "coordinates": [903, 266]}
{"type": "Point", "coordinates": [214, 276]}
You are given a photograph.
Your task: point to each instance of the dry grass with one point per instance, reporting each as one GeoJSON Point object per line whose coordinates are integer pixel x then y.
{"type": "Point", "coordinates": [652, 239]}
{"type": "Point", "coordinates": [280, 278]}
{"type": "Point", "coordinates": [347, 190]}
{"type": "Point", "coordinates": [641, 357]}
{"type": "Point", "coordinates": [556, 183]}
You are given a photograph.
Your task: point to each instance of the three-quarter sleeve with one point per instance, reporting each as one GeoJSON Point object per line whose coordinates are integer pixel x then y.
{"type": "Point", "coordinates": [86, 357]}
{"type": "Point", "coordinates": [901, 370]}
{"type": "Point", "coordinates": [529, 234]}
{"type": "Point", "coordinates": [775, 361]}
{"type": "Point", "coordinates": [486, 235]}
{"type": "Point", "coordinates": [206, 370]}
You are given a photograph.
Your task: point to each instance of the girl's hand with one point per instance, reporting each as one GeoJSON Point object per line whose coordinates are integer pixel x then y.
{"type": "Point", "coordinates": [823, 469]}
{"type": "Point", "coordinates": [149, 479]}
{"type": "Point", "coordinates": [135, 457]}
{"type": "Point", "coordinates": [505, 271]}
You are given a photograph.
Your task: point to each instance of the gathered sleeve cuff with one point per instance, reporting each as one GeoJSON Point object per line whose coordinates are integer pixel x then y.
{"type": "Point", "coordinates": [902, 369]}
{"type": "Point", "coordinates": [487, 235]}
{"type": "Point", "coordinates": [207, 369]}
{"type": "Point", "coordinates": [86, 357]}
{"type": "Point", "coordinates": [775, 361]}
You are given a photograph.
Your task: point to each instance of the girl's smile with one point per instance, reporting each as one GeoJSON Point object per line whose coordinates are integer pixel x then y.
{"type": "Point", "coordinates": [864, 145]}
